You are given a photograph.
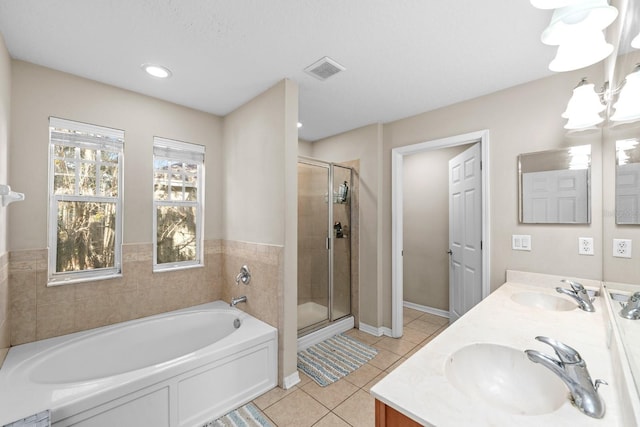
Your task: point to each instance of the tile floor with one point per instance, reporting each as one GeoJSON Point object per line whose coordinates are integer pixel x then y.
{"type": "Point", "coordinates": [347, 402]}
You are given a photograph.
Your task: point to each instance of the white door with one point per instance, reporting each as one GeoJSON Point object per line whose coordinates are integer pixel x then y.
{"type": "Point", "coordinates": [555, 196]}
{"type": "Point", "coordinates": [465, 232]}
{"type": "Point", "coordinates": [628, 193]}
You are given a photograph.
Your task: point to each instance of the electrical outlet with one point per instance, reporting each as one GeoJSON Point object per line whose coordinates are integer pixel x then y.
{"type": "Point", "coordinates": [585, 245]}
{"type": "Point", "coordinates": [622, 248]}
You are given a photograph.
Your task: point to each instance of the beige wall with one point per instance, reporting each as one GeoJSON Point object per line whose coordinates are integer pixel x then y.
{"type": "Point", "coordinates": [5, 99]}
{"type": "Point", "coordinates": [521, 119]}
{"type": "Point", "coordinates": [39, 311]}
{"type": "Point", "coordinates": [250, 196]}
{"type": "Point", "coordinates": [260, 205]}
{"type": "Point", "coordinates": [619, 269]}
{"type": "Point", "coordinates": [364, 144]}
{"type": "Point", "coordinates": [426, 227]}
{"type": "Point", "coordinates": [39, 92]}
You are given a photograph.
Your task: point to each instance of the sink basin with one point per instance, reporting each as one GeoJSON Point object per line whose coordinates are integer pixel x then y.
{"type": "Point", "coordinates": [544, 301]}
{"type": "Point", "coordinates": [504, 378]}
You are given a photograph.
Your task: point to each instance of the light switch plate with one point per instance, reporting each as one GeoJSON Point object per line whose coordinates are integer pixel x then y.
{"type": "Point", "coordinates": [521, 242]}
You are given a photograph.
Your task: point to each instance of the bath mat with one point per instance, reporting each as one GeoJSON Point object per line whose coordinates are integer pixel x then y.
{"type": "Point", "coordinates": [334, 358]}
{"type": "Point", "coordinates": [245, 416]}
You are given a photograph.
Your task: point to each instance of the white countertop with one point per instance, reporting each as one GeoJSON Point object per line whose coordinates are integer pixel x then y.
{"type": "Point", "coordinates": [420, 389]}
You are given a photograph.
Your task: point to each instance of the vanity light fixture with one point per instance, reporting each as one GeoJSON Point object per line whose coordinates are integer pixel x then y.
{"type": "Point", "coordinates": [581, 51]}
{"type": "Point", "coordinates": [156, 71]}
{"type": "Point", "coordinates": [627, 108]}
{"type": "Point", "coordinates": [635, 43]}
{"type": "Point", "coordinates": [576, 27]}
{"type": "Point", "coordinates": [551, 4]}
{"type": "Point", "coordinates": [622, 146]}
{"type": "Point", "coordinates": [585, 105]}
{"type": "Point", "coordinates": [574, 20]}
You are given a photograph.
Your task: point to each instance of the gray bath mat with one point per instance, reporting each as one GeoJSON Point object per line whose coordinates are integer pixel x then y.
{"type": "Point", "coordinates": [334, 358]}
{"type": "Point", "coordinates": [245, 416]}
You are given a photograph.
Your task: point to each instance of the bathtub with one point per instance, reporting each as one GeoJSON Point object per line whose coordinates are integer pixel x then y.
{"type": "Point", "coordinates": [182, 368]}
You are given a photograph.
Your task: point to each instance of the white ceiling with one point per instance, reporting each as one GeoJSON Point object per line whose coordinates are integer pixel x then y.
{"type": "Point", "coordinates": [402, 57]}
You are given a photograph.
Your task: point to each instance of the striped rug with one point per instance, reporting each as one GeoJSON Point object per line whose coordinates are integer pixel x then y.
{"type": "Point", "coordinates": [245, 416]}
{"type": "Point", "coordinates": [334, 358]}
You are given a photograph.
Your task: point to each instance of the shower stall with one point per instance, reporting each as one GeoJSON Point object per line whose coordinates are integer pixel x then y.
{"type": "Point", "coordinates": [324, 243]}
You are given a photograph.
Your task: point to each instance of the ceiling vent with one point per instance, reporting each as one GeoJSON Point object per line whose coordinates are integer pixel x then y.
{"type": "Point", "coordinates": [324, 68]}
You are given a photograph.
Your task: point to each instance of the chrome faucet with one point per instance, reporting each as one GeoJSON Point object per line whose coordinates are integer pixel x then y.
{"type": "Point", "coordinates": [572, 370]}
{"type": "Point", "coordinates": [578, 293]}
{"type": "Point", "coordinates": [631, 309]}
{"type": "Point", "coordinates": [235, 301]}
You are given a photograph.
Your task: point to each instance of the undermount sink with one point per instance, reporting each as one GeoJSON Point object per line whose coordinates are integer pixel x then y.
{"type": "Point", "coordinates": [506, 379]}
{"type": "Point", "coordinates": [544, 301]}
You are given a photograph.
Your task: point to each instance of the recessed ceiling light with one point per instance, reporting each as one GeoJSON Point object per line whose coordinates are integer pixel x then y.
{"type": "Point", "coordinates": [157, 71]}
{"type": "Point", "coordinates": [299, 125]}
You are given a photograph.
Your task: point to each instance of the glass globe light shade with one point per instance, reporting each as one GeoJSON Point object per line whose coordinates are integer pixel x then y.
{"type": "Point", "coordinates": [627, 108]}
{"type": "Point", "coordinates": [584, 107]}
{"type": "Point", "coordinates": [635, 43]}
{"type": "Point", "coordinates": [571, 21]}
{"type": "Point", "coordinates": [587, 49]}
{"type": "Point", "coordinates": [552, 4]}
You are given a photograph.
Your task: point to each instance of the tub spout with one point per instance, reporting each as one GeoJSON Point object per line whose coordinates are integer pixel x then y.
{"type": "Point", "coordinates": [235, 301]}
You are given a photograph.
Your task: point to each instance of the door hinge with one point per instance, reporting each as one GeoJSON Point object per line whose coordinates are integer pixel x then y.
{"type": "Point", "coordinates": [402, 252]}
{"type": "Point", "coordinates": [480, 244]}
{"type": "Point", "coordinates": [480, 164]}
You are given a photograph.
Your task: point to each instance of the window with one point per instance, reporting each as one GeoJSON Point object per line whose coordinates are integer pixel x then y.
{"type": "Point", "coordinates": [178, 169]}
{"type": "Point", "coordinates": [85, 201]}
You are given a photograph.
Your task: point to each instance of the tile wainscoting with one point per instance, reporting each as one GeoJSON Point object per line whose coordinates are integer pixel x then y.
{"type": "Point", "coordinates": [5, 307]}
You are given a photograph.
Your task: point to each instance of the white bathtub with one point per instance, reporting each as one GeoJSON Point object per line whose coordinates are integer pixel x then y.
{"type": "Point", "coordinates": [181, 368]}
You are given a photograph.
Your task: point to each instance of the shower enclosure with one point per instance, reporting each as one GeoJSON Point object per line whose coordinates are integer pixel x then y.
{"type": "Point", "coordinates": [324, 244]}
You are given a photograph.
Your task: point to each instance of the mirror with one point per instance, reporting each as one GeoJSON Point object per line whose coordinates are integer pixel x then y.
{"type": "Point", "coordinates": [618, 218]}
{"type": "Point", "coordinates": [555, 186]}
{"type": "Point", "coordinates": [628, 181]}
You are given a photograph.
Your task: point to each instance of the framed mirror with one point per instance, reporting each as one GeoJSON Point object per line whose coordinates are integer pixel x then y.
{"type": "Point", "coordinates": [628, 181]}
{"type": "Point", "coordinates": [555, 186]}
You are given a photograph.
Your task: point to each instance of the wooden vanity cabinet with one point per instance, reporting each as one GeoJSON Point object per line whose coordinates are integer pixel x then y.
{"type": "Point", "coordinates": [386, 416]}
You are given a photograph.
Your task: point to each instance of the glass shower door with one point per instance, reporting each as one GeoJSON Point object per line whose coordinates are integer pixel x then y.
{"type": "Point", "coordinates": [313, 254]}
{"type": "Point", "coordinates": [341, 286]}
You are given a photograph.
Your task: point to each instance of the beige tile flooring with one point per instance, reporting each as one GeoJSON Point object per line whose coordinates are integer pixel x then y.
{"type": "Point", "coordinates": [347, 402]}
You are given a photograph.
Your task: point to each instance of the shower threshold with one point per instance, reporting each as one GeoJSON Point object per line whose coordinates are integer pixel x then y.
{"type": "Point", "coordinates": [314, 336]}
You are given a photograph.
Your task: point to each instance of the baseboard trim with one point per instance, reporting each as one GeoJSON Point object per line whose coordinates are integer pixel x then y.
{"type": "Point", "coordinates": [328, 331]}
{"type": "Point", "coordinates": [378, 332]}
{"type": "Point", "coordinates": [426, 309]}
{"type": "Point", "coordinates": [290, 380]}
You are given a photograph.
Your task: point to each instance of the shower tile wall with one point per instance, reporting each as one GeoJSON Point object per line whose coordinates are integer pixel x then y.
{"type": "Point", "coordinates": [312, 232]}
{"type": "Point", "coordinates": [5, 331]}
{"type": "Point", "coordinates": [265, 292]}
{"type": "Point", "coordinates": [39, 312]}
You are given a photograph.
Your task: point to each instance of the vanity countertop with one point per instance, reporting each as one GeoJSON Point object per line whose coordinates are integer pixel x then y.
{"type": "Point", "coordinates": [419, 388]}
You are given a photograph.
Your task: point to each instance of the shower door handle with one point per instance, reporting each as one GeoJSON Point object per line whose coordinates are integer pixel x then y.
{"type": "Point", "coordinates": [328, 243]}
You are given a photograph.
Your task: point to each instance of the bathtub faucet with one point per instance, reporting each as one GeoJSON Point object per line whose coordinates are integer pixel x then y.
{"type": "Point", "coordinates": [235, 301]}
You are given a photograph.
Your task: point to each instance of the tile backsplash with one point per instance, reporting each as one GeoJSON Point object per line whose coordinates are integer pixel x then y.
{"type": "Point", "coordinates": [5, 324]}
{"type": "Point", "coordinates": [39, 312]}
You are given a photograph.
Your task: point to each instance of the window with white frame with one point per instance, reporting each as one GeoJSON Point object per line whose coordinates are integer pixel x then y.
{"type": "Point", "coordinates": [178, 193]}
{"type": "Point", "coordinates": [85, 201]}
